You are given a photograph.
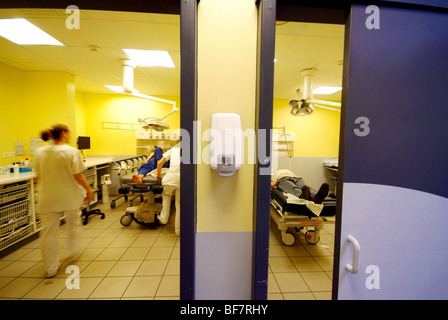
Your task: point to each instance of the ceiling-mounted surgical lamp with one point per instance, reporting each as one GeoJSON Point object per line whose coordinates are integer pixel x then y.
{"type": "Point", "coordinates": [306, 103]}
{"type": "Point", "coordinates": [300, 107]}
{"type": "Point", "coordinates": [157, 124]}
{"type": "Point", "coordinates": [128, 87]}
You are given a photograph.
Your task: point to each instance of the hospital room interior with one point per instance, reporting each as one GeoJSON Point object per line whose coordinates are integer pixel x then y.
{"type": "Point", "coordinates": [127, 254]}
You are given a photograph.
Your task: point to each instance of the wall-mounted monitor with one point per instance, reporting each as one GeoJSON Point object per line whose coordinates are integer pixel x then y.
{"type": "Point", "coordinates": [83, 143]}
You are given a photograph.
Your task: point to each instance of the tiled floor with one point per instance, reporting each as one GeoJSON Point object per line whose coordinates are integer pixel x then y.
{"type": "Point", "coordinates": [137, 262]}
{"type": "Point", "coordinates": [117, 262]}
{"type": "Point", "coordinates": [302, 271]}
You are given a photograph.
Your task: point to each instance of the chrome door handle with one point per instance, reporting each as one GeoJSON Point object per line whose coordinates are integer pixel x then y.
{"type": "Point", "coordinates": [356, 248]}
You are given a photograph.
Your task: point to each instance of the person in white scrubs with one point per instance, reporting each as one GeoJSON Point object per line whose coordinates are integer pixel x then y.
{"type": "Point", "coordinates": [171, 186]}
{"type": "Point", "coordinates": [62, 188]}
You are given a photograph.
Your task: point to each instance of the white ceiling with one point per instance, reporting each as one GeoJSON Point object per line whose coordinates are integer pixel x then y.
{"type": "Point", "coordinates": [111, 32]}
{"type": "Point", "coordinates": [298, 46]}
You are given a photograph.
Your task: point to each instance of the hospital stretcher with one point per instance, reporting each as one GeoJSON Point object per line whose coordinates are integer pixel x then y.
{"type": "Point", "coordinates": [125, 167]}
{"type": "Point", "coordinates": [146, 212]}
{"type": "Point", "coordinates": [292, 216]}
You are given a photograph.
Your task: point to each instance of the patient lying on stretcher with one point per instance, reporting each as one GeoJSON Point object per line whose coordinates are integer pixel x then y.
{"type": "Point", "coordinates": [288, 182]}
{"type": "Point", "coordinates": [154, 154]}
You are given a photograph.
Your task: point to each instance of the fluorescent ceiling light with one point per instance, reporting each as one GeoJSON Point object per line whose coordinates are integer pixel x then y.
{"type": "Point", "coordinates": [150, 58]}
{"type": "Point", "coordinates": [118, 89]}
{"type": "Point", "coordinates": [23, 32]}
{"type": "Point", "coordinates": [326, 90]}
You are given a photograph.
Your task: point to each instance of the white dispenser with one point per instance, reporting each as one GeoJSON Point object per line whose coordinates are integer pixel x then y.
{"type": "Point", "coordinates": [226, 143]}
{"type": "Point", "coordinates": [105, 181]}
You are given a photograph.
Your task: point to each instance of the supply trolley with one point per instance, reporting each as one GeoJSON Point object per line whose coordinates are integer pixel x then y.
{"type": "Point", "coordinates": [293, 215]}
{"type": "Point", "coordinates": [15, 217]}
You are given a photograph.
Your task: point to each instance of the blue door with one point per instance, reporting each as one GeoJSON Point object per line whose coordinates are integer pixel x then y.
{"type": "Point", "coordinates": [394, 217]}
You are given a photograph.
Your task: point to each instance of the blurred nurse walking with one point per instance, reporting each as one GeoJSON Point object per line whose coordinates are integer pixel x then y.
{"type": "Point", "coordinates": [61, 190]}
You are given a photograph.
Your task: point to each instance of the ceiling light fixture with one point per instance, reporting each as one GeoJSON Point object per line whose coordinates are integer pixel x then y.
{"type": "Point", "coordinates": [136, 93]}
{"type": "Point", "coordinates": [150, 58]}
{"type": "Point", "coordinates": [326, 90]}
{"type": "Point", "coordinates": [118, 89]}
{"type": "Point", "coordinates": [23, 32]}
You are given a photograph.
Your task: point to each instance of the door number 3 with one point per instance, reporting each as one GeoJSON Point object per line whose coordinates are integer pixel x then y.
{"type": "Point", "coordinates": [363, 129]}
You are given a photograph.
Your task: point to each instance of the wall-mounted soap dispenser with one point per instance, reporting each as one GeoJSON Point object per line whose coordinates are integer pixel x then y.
{"type": "Point", "coordinates": [226, 143]}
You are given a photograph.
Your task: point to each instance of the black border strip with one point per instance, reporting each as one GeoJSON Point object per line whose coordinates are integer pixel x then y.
{"type": "Point", "coordinates": [149, 6]}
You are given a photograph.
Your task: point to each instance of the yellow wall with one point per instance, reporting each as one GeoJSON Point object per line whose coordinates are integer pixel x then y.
{"type": "Point", "coordinates": [101, 108]}
{"type": "Point", "coordinates": [80, 114]}
{"type": "Point", "coordinates": [31, 102]}
{"type": "Point", "coordinates": [317, 135]}
{"type": "Point", "coordinates": [11, 101]}
{"type": "Point", "coordinates": [226, 83]}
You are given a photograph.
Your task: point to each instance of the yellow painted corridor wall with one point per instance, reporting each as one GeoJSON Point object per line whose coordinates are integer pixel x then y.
{"type": "Point", "coordinates": [31, 102]}
{"type": "Point", "coordinates": [226, 83]}
{"type": "Point", "coordinates": [101, 108]}
{"type": "Point", "coordinates": [316, 135]}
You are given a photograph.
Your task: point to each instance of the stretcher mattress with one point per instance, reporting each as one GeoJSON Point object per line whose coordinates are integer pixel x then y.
{"type": "Point", "coordinates": [299, 209]}
{"type": "Point", "coordinates": [148, 180]}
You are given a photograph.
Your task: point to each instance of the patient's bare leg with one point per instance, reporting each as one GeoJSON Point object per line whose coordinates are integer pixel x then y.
{"type": "Point", "coordinates": [137, 178]}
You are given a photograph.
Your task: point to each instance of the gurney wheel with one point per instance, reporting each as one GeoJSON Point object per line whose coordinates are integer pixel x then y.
{"type": "Point", "coordinates": [126, 220]}
{"type": "Point", "coordinates": [311, 237]}
{"type": "Point", "coordinates": [112, 204]}
{"type": "Point", "coordinates": [288, 238]}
